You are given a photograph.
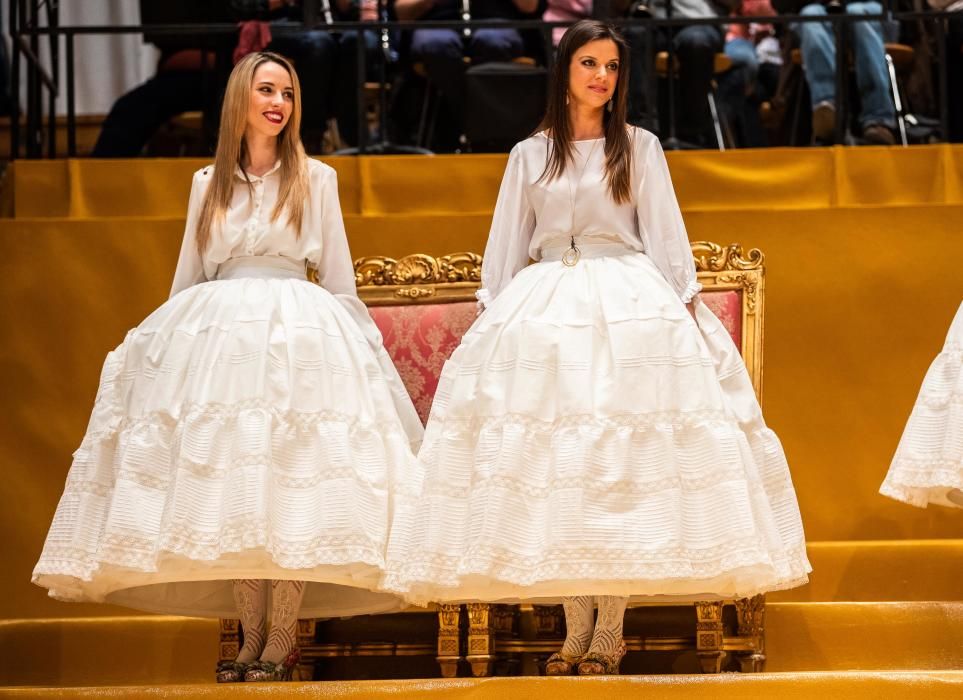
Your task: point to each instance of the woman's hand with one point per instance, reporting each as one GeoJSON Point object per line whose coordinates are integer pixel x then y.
{"type": "Point", "coordinates": [690, 307]}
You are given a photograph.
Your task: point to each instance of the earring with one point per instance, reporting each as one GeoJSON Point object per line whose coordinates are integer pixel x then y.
{"type": "Point", "coordinates": [609, 106]}
{"type": "Point", "coordinates": [566, 98]}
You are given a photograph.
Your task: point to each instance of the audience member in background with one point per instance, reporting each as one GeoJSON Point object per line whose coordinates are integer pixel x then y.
{"type": "Point", "coordinates": [695, 47]}
{"type": "Point", "coordinates": [442, 51]}
{"type": "Point", "coordinates": [188, 79]}
{"type": "Point", "coordinates": [877, 117]}
{"type": "Point", "coordinates": [565, 11]}
{"type": "Point", "coordinates": [748, 46]}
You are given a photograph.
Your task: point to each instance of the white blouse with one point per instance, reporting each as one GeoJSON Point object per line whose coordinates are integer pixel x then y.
{"type": "Point", "coordinates": [249, 230]}
{"type": "Point", "coordinates": [530, 215]}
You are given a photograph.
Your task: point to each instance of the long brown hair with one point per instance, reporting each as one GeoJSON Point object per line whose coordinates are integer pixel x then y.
{"type": "Point", "coordinates": [618, 160]}
{"type": "Point", "coordinates": [232, 150]}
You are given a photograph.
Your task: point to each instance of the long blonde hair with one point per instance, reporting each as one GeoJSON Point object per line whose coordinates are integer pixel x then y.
{"type": "Point", "coordinates": [231, 151]}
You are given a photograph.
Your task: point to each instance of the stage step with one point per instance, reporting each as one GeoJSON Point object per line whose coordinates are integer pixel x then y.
{"type": "Point", "coordinates": [935, 685]}
{"type": "Point", "coordinates": [800, 637]}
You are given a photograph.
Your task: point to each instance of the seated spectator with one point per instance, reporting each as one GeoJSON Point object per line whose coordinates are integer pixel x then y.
{"type": "Point", "coordinates": [695, 48]}
{"type": "Point", "coordinates": [188, 79]}
{"type": "Point", "coordinates": [565, 11]}
{"type": "Point", "coordinates": [748, 46]}
{"type": "Point", "coordinates": [877, 117]}
{"type": "Point", "coordinates": [441, 51]}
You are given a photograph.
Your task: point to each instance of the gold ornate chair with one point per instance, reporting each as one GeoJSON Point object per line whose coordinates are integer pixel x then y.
{"type": "Point", "coordinates": [423, 305]}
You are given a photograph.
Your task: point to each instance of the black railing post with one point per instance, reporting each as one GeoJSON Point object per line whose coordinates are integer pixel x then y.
{"type": "Point", "coordinates": [14, 79]}
{"type": "Point", "coordinates": [361, 54]}
{"type": "Point", "coordinates": [71, 99]}
{"type": "Point", "coordinates": [842, 73]}
{"type": "Point", "coordinates": [53, 11]}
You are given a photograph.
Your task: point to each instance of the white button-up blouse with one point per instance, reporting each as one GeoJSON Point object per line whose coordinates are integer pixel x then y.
{"type": "Point", "coordinates": [530, 215]}
{"type": "Point", "coordinates": [248, 230]}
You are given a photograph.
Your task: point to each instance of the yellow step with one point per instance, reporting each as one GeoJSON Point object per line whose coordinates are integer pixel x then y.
{"type": "Point", "coordinates": [942, 685]}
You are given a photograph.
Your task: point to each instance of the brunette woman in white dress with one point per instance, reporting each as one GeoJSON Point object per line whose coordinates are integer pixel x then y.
{"type": "Point", "coordinates": [928, 466]}
{"type": "Point", "coordinates": [595, 436]}
{"type": "Point", "coordinates": [247, 436]}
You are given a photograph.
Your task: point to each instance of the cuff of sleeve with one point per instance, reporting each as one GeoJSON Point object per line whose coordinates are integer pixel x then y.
{"type": "Point", "coordinates": [359, 314]}
{"type": "Point", "coordinates": [688, 294]}
{"type": "Point", "coordinates": [484, 297]}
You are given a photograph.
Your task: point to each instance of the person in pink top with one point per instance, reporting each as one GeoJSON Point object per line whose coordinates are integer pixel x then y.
{"type": "Point", "coordinates": [564, 10]}
{"type": "Point", "coordinates": [747, 45]}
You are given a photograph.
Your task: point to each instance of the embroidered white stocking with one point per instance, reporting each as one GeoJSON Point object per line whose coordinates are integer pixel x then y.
{"type": "Point", "coordinates": [608, 626]}
{"type": "Point", "coordinates": [578, 624]}
{"type": "Point", "coordinates": [250, 597]}
{"type": "Point", "coordinates": [285, 604]}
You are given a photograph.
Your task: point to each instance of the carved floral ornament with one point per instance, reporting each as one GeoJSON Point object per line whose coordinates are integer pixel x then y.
{"type": "Point", "coordinates": [466, 267]}
{"type": "Point", "coordinates": [418, 269]}
{"type": "Point", "coordinates": [712, 257]}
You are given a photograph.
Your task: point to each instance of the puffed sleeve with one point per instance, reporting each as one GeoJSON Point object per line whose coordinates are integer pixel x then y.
{"type": "Point", "coordinates": [334, 264]}
{"type": "Point", "coordinates": [190, 267]}
{"type": "Point", "coordinates": [660, 221]}
{"type": "Point", "coordinates": [332, 258]}
{"type": "Point", "coordinates": [513, 223]}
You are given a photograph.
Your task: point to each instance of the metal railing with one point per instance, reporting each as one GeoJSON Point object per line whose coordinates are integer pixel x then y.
{"type": "Point", "coordinates": [26, 35]}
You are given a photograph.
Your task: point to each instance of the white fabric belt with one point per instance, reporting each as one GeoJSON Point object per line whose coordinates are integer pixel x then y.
{"type": "Point", "coordinates": [261, 266]}
{"type": "Point", "coordinates": [555, 251]}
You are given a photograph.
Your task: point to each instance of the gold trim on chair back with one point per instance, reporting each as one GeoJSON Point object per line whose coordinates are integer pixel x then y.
{"type": "Point", "coordinates": [418, 279]}
{"type": "Point", "coordinates": [726, 267]}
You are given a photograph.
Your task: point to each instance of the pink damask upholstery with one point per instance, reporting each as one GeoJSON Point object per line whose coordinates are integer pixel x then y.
{"type": "Point", "coordinates": [727, 306]}
{"type": "Point", "coordinates": [419, 338]}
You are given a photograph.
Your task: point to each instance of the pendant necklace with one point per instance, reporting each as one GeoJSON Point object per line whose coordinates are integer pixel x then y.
{"type": "Point", "coordinates": [571, 256]}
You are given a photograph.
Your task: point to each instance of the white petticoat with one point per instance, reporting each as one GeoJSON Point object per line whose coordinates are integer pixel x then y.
{"type": "Point", "coordinates": [587, 438]}
{"type": "Point", "coordinates": [246, 429]}
{"type": "Point", "coordinates": [928, 465]}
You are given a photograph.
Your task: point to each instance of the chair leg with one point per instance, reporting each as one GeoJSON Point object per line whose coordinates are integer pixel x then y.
{"type": "Point", "coordinates": [897, 100]}
{"type": "Point", "coordinates": [229, 644]}
{"type": "Point", "coordinates": [449, 639]}
{"type": "Point", "coordinates": [751, 615]}
{"type": "Point", "coordinates": [481, 638]}
{"type": "Point", "coordinates": [716, 122]}
{"type": "Point", "coordinates": [709, 639]}
{"type": "Point", "coordinates": [307, 635]}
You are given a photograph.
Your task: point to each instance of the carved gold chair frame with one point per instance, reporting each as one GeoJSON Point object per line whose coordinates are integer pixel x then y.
{"type": "Point", "coordinates": [481, 634]}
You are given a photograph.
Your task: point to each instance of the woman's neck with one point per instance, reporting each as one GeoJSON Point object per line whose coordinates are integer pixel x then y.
{"type": "Point", "coordinates": [261, 155]}
{"type": "Point", "coordinates": [586, 122]}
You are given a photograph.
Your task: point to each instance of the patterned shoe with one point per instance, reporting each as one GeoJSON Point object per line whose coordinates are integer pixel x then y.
{"type": "Point", "coordinates": [596, 664]}
{"type": "Point", "coordinates": [561, 664]}
{"type": "Point", "coordinates": [267, 671]}
{"type": "Point", "coordinates": [230, 671]}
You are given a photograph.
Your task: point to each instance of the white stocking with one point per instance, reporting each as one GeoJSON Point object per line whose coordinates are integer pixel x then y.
{"type": "Point", "coordinates": [250, 597]}
{"type": "Point", "coordinates": [608, 626]}
{"type": "Point", "coordinates": [578, 624]}
{"type": "Point", "coordinates": [285, 604]}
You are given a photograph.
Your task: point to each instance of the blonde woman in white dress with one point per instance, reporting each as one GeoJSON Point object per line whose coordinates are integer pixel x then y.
{"type": "Point", "coordinates": [247, 436]}
{"type": "Point", "coordinates": [595, 436]}
{"type": "Point", "coordinates": [928, 466]}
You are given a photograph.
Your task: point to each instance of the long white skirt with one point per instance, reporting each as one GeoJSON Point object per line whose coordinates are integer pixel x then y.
{"type": "Point", "coordinates": [588, 438]}
{"type": "Point", "coordinates": [246, 429]}
{"type": "Point", "coordinates": [928, 466]}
